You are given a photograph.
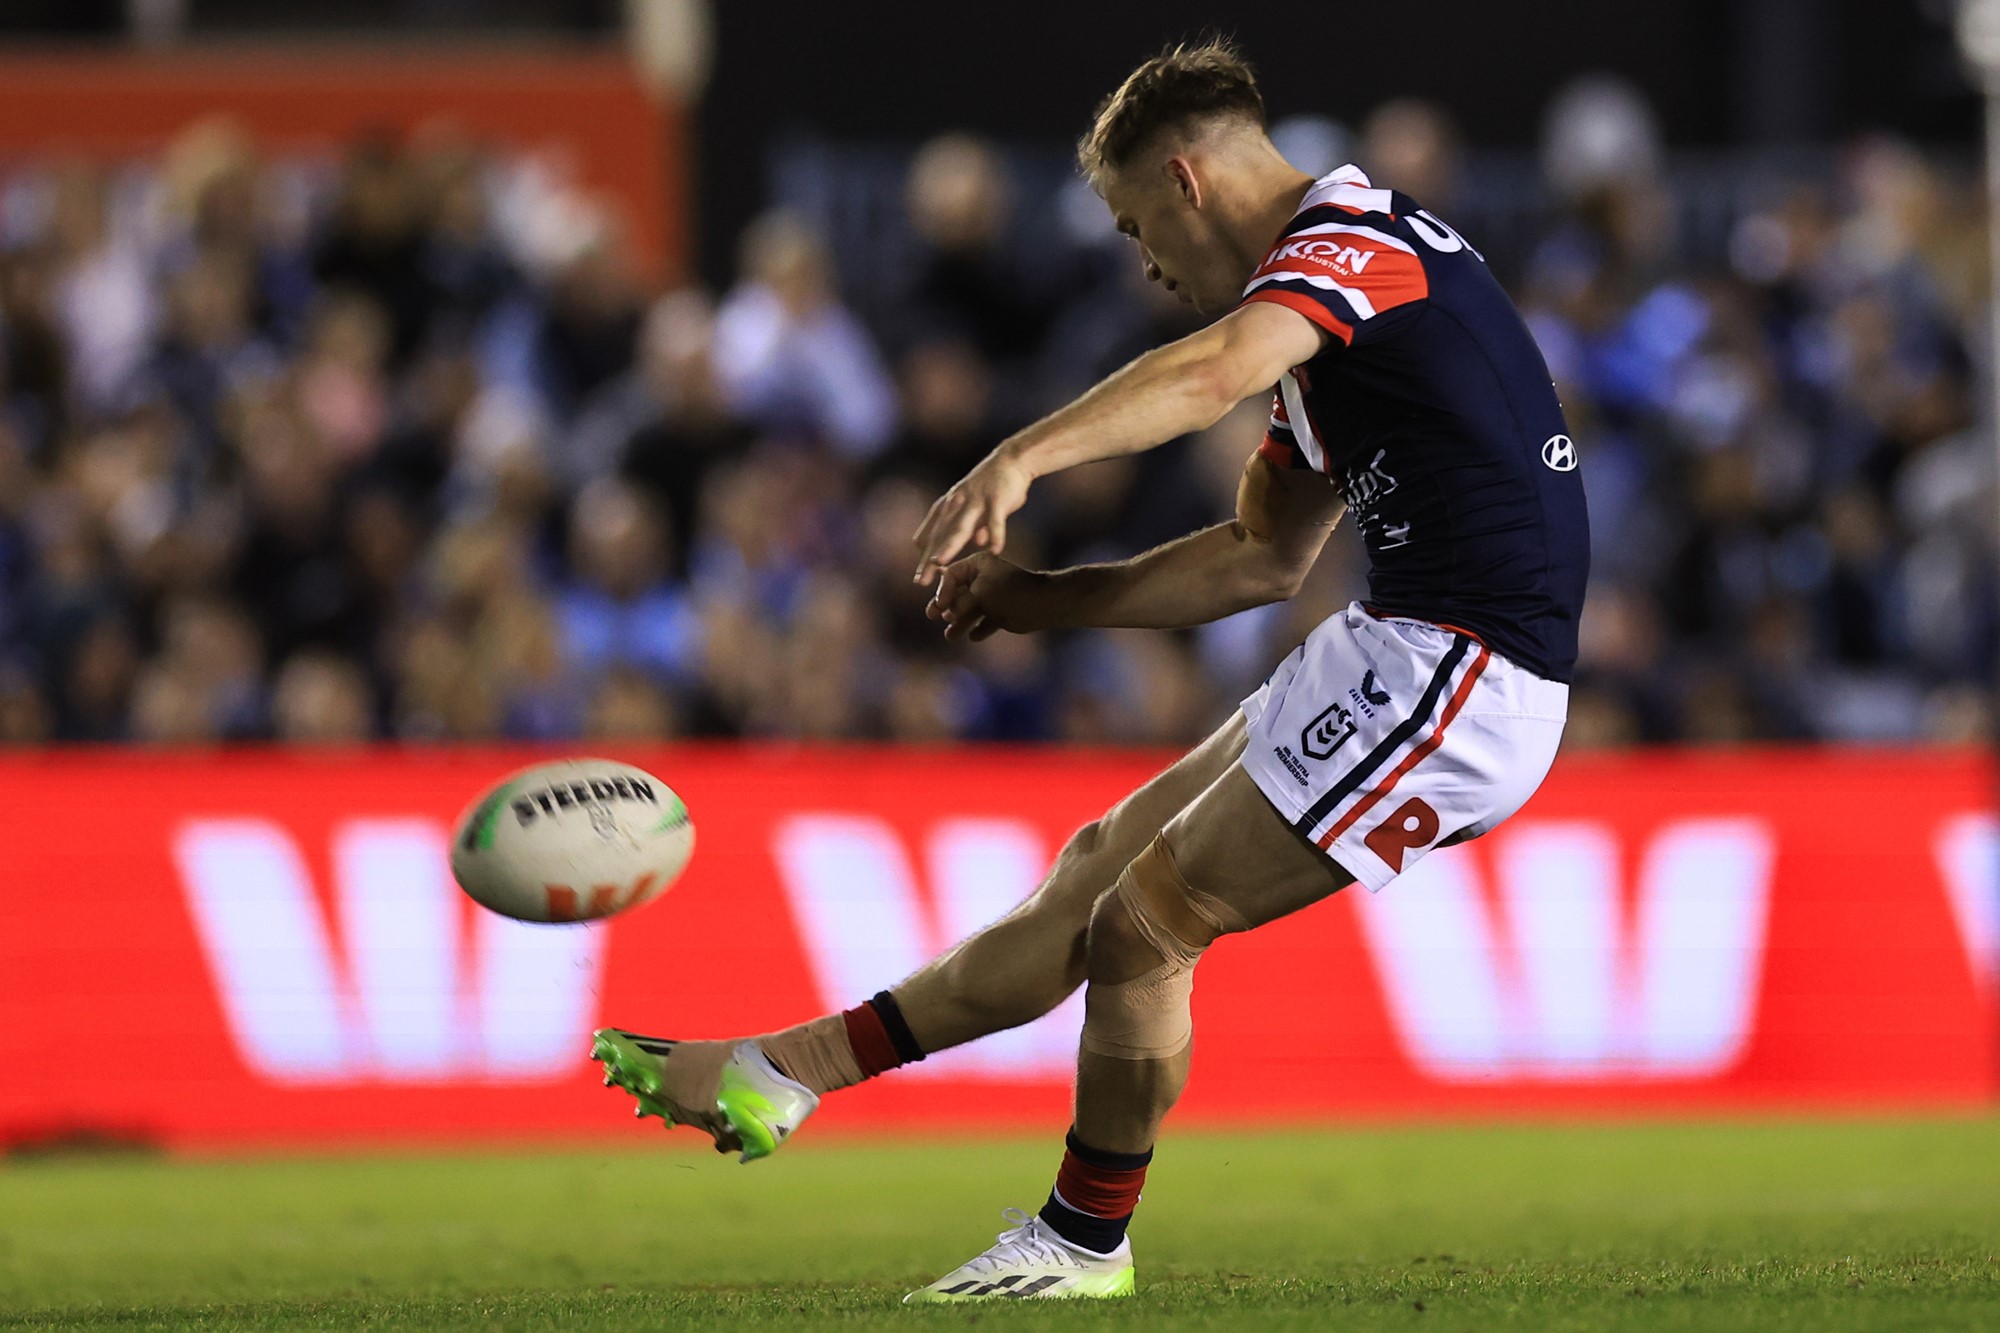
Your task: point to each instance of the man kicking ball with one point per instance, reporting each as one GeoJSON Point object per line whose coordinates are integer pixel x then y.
{"type": "Point", "coordinates": [1408, 393]}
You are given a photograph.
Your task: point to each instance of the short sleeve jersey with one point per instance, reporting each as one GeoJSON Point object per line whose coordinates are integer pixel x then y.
{"type": "Point", "coordinates": [1432, 410]}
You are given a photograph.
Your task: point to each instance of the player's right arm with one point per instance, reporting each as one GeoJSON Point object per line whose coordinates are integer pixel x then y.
{"type": "Point", "coordinates": [1169, 392]}
{"type": "Point", "coordinates": [1283, 518]}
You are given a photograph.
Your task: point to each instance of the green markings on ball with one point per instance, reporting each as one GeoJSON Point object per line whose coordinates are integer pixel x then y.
{"type": "Point", "coordinates": [485, 821]}
{"type": "Point", "coordinates": [675, 817]}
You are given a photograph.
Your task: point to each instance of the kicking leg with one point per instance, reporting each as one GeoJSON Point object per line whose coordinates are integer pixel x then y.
{"type": "Point", "coordinates": [1010, 973]}
{"type": "Point", "coordinates": [1030, 960]}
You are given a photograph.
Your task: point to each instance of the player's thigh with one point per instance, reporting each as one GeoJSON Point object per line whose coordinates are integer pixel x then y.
{"type": "Point", "coordinates": [1128, 826]}
{"type": "Point", "coordinates": [1092, 859]}
{"type": "Point", "coordinates": [1230, 842]}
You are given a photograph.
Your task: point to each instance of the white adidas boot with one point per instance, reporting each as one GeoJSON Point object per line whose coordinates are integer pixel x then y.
{"type": "Point", "coordinates": [1031, 1262]}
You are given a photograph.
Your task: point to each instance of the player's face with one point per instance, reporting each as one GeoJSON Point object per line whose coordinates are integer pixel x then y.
{"type": "Point", "coordinates": [1177, 241]}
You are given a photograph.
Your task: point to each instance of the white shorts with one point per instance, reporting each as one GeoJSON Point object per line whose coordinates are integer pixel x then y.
{"type": "Point", "coordinates": [1382, 738]}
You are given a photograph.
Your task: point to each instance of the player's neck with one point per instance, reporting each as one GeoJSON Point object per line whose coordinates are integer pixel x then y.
{"type": "Point", "coordinates": [1273, 197]}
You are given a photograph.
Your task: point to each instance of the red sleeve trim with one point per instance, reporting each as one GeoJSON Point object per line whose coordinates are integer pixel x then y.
{"type": "Point", "coordinates": [1308, 307]}
{"type": "Point", "coordinates": [1393, 279]}
{"type": "Point", "coordinates": [1281, 454]}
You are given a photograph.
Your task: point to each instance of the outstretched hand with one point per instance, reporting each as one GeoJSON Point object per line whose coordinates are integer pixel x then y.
{"type": "Point", "coordinates": [981, 595]}
{"type": "Point", "coordinates": [973, 512]}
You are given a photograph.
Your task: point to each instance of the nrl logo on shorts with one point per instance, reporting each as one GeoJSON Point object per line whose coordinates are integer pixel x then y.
{"type": "Point", "coordinates": [1327, 733]}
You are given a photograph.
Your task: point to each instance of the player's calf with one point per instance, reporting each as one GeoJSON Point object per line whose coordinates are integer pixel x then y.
{"type": "Point", "coordinates": [1029, 961]}
{"type": "Point", "coordinates": [1012, 972]}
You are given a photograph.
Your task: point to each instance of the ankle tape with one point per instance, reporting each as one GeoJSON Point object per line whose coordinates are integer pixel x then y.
{"type": "Point", "coordinates": [817, 1054]}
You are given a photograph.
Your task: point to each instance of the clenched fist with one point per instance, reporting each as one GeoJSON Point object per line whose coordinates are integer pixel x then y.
{"type": "Point", "coordinates": [983, 594]}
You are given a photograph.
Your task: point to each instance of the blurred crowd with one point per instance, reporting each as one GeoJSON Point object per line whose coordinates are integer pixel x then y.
{"type": "Point", "coordinates": [401, 446]}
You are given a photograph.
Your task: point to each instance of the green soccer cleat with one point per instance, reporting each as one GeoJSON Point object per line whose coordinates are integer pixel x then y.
{"type": "Point", "coordinates": [1031, 1262]}
{"type": "Point", "coordinates": [731, 1092]}
{"type": "Point", "coordinates": [638, 1065]}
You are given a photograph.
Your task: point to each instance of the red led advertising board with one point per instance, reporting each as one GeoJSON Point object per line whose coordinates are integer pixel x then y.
{"type": "Point", "coordinates": [272, 943]}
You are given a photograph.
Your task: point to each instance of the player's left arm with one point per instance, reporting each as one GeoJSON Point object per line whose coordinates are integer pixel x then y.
{"type": "Point", "coordinates": [1185, 386]}
{"type": "Point", "coordinates": [1283, 518]}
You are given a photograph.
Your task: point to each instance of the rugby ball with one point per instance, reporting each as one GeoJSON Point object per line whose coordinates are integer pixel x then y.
{"type": "Point", "coordinates": [573, 840]}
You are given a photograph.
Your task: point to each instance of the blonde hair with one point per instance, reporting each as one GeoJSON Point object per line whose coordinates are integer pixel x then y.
{"type": "Point", "coordinates": [1181, 85]}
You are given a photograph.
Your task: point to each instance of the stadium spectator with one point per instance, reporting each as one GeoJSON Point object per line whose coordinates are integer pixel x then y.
{"type": "Point", "coordinates": [320, 698]}
{"type": "Point", "coordinates": [1413, 143]}
{"type": "Point", "coordinates": [665, 423]}
{"type": "Point", "coordinates": [949, 417]}
{"type": "Point", "coordinates": [790, 356]}
{"type": "Point", "coordinates": [967, 281]}
{"type": "Point", "coordinates": [629, 706]}
{"type": "Point", "coordinates": [588, 331]}
{"type": "Point", "coordinates": [620, 609]}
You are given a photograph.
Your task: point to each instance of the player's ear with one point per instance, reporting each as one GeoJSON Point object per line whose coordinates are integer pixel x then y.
{"type": "Point", "coordinates": [1180, 172]}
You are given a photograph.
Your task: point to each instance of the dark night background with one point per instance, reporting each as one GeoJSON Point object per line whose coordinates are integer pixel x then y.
{"type": "Point", "coordinates": [1717, 71]}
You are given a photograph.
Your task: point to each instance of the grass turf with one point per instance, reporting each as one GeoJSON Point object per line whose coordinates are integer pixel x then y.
{"type": "Point", "coordinates": [1822, 1226]}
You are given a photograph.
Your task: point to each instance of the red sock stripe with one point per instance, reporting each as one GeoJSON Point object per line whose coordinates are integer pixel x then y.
{"type": "Point", "coordinates": [1094, 1190]}
{"type": "Point", "coordinates": [873, 1050]}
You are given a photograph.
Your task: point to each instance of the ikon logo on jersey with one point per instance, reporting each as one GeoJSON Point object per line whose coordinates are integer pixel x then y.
{"type": "Point", "coordinates": [1343, 259]}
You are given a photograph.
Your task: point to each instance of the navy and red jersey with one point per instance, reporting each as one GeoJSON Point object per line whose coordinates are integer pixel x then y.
{"type": "Point", "coordinates": [1433, 411]}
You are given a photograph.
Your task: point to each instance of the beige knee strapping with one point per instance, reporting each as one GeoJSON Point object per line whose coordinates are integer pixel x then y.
{"type": "Point", "coordinates": [1148, 1017]}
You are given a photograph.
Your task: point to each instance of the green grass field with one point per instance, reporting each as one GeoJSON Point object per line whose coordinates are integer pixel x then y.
{"type": "Point", "coordinates": [1875, 1225]}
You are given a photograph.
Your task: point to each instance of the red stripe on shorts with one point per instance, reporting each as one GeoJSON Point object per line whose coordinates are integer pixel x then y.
{"type": "Point", "coordinates": [1414, 757]}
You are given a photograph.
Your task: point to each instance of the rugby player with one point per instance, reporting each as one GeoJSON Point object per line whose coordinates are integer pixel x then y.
{"type": "Point", "coordinates": [1410, 395]}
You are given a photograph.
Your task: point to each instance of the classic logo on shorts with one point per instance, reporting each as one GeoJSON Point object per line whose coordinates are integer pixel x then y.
{"type": "Point", "coordinates": [1327, 733]}
{"type": "Point", "coordinates": [1559, 452]}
